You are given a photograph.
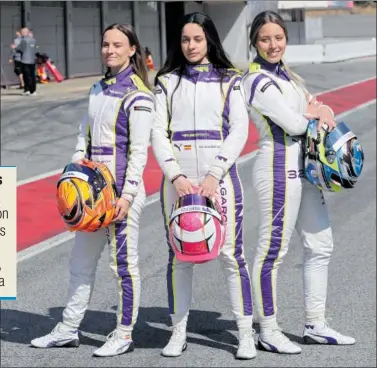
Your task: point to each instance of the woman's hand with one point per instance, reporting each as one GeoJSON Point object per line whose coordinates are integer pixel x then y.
{"type": "Point", "coordinates": [208, 187]}
{"type": "Point", "coordinates": [313, 100]}
{"type": "Point", "coordinates": [121, 209]}
{"type": "Point", "coordinates": [182, 186]}
{"type": "Point", "coordinates": [323, 113]}
{"type": "Point", "coordinates": [326, 117]}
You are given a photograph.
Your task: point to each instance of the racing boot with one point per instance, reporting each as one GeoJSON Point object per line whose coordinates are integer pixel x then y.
{"type": "Point", "coordinates": [321, 333]}
{"type": "Point", "coordinates": [246, 346]}
{"type": "Point", "coordinates": [118, 342]}
{"type": "Point", "coordinates": [60, 336]}
{"type": "Point", "coordinates": [177, 343]}
{"type": "Point", "coordinates": [275, 341]}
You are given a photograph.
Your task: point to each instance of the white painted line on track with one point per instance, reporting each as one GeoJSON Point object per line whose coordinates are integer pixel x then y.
{"type": "Point", "coordinates": [355, 109]}
{"type": "Point", "coordinates": [344, 86]}
{"type": "Point", "coordinates": [66, 236]}
{"type": "Point", "coordinates": [39, 177]}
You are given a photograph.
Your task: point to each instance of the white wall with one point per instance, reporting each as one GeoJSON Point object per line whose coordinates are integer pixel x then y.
{"type": "Point", "coordinates": [231, 23]}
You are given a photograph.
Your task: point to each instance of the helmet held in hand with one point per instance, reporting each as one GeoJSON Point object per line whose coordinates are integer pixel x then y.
{"type": "Point", "coordinates": [333, 159]}
{"type": "Point", "coordinates": [86, 196]}
{"type": "Point", "coordinates": [196, 229]}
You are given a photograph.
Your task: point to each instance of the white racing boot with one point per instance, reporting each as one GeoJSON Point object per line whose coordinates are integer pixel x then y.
{"type": "Point", "coordinates": [275, 341]}
{"type": "Point", "coordinates": [246, 346]}
{"type": "Point", "coordinates": [177, 343]}
{"type": "Point", "coordinates": [321, 333]}
{"type": "Point", "coordinates": [118, 342]}
{"type": "Point", "coordinates": [60, 336]}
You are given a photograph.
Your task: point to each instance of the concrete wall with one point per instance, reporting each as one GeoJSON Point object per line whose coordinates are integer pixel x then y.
{"type": "Point", "coordinates": [191, 7]}
{"type": "Point", "coordinates": [232, 28]}
{"type": "Point", "coordinates": [349, 25]}
{"type": "Point", "coordinates": [329, 53]}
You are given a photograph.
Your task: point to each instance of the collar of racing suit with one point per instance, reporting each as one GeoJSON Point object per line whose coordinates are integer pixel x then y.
{"type": "Point", "coordinates": [195, 69]}
{"type": "Point", "coordinates": [119, 81]}
{"type": "Point", "coordinates": [277, 68]}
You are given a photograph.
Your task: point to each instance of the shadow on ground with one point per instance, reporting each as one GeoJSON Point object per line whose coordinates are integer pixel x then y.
{"type": "Point", "coordinates": [21, 327]}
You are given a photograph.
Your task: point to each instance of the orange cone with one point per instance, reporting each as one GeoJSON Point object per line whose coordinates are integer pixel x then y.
{"type": "Point", "coordinates": [41, 72]}
{"type": "Point", "coordinates": [150, 62]}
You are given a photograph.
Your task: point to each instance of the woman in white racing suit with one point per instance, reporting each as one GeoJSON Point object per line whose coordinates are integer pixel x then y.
{"type": "Point", "coordinates": [279, 105]}
{"type": "Point", "coordinates": [200, 129]}
{"type": "Point", "coordinates": [117, 133]}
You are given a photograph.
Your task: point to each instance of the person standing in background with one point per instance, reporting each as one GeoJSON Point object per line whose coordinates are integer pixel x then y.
{"type": "Point", "coordinates": [27, 48]}
{"type": "Point", "coordinates": [16, 59]}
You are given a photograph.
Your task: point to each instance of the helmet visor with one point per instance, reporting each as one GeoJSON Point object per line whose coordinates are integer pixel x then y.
{"type": "Point", "coordinates": [338, 137]}
{"type": "Point", "coordinates": [194, 200]}
{"type": "Point", "coordinates": [93, 177]}
{"type": "Point", "coordinates": [195, 203]}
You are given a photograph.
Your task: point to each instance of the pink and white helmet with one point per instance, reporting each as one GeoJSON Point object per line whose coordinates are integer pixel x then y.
{"type": "Point", "coordinates": [197, 229]}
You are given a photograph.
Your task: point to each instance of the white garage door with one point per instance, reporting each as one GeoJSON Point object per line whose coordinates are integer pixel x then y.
{"type": "Point", "coordinates": [10, 21]}
{"type": "Point", "coordinates": [149, 29]}
{"type": "Point", "coordinates": [86, 27]}
{"type": "Point", "coordinates": [47, 22]}
{"type": "Point", "coordinates": [119, 12]}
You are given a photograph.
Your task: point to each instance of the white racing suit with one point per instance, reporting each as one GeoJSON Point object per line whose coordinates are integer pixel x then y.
{"type": "Point", "coordinates": [117, 133]}
{"type": "Point", "coordinates": [203, 132]}
{"type": "Point", "coordinates": [286, 200]}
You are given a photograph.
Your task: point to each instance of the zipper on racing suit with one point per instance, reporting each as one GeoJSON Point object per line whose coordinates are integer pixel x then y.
{"type": "Point", "coordinates": [196, 140]}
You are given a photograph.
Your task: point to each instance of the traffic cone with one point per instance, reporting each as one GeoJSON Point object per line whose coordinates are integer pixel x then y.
{"type": "Point", "coordinates": [150, 62]}
{"type": "Point", "coordinates": [41, 72]}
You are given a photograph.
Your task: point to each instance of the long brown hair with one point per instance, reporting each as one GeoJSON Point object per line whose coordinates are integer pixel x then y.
{"type": "Point", "coordinates": [269, 16]}
{"type": "Point", "coordinates": [137, 60]}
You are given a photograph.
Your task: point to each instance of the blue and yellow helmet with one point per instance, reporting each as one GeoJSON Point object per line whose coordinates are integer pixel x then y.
{"type": "Point", "coordinates": [333, 159]}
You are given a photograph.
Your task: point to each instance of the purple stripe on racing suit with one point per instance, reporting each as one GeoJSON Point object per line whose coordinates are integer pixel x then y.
{"type": "Point", "coordinates": [195, 135]}
{"type": "Point", "coordinates": [277, 217]}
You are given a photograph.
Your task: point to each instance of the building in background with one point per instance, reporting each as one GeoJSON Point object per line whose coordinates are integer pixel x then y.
{"type": "Point", "coordinates": [70, 31]}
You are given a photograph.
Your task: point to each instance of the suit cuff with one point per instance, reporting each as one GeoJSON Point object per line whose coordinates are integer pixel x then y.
{"type": "Point", "coordinates": [78, 155]}
{"type": "Point", "coordinates": [171, 170]}
{"type": "Point", "coordinates": [128, 197]}
{"type": "Point", "coordinates": [216, 171]}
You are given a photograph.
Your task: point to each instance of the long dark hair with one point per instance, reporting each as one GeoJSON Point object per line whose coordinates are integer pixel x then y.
{"type": "Point", "coordinates": [137, 60]}
{"type": "Point", "coordinates": [216, 55]}
{"type": "Point", "coordinates": [269, 16]}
